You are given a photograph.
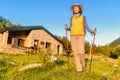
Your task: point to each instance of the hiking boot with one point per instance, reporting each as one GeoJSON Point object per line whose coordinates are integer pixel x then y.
{"type": "Point", "coordinates": [83, 68]}
{"type": "Point", "coordinates": [79, 72]}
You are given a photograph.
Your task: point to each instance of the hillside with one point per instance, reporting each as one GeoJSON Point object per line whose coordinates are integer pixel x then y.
{"type": "Point", "coordinates": [115, 42]}
{"type": "Point", "coordinates": [4, 22]}
{"type": "Point", "coordinates": [103, 68]}
{"type": "Point", "coordinates": [1, 18]}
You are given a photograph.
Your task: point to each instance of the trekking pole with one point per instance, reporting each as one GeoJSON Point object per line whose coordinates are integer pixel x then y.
{"type": "Point", "coordinates": [67, 52]}
{"type": "Point", "coordinates": [91, 51]}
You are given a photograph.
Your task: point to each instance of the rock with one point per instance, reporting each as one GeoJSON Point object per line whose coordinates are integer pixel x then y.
{"type": "Point", "coordinates": [30, 66]}
{"type": "Point", "coordinates": [53, 59]}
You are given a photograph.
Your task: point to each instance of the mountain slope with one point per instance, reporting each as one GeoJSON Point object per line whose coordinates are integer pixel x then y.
{"type": "Point", "coordinates": [4, 22]}
{"type": "Point", "coordinates": [1, 18]}
{"type": "Point", "coordinates": [115, 42]}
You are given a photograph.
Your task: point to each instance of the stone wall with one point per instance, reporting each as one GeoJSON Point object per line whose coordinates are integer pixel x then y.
{"type": "Point", "coordinates": [1, 37]}
{"type": "Point", "coordinates": [43, 36]}
{"type": "Point", "coordinates": [40, 35]}
{"type": "Point", "coordinates": [5, 38]}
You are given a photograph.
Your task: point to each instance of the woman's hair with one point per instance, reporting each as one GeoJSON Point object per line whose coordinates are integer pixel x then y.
{"type": "Point", "coordinates": [80, 11]}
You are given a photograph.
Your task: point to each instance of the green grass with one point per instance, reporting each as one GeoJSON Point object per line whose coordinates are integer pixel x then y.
{"type": "Point", "coordinates": [103, 68]}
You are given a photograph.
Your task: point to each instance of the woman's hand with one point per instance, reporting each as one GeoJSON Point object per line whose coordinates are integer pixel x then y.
{"type": "Point", "coordinates": [94, 31]}
{"type": "Point", "coordinates": [66, 27]}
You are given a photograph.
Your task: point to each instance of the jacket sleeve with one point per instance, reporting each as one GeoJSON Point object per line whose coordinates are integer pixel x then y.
{"type": "Point", "coordinates": [86, 26]}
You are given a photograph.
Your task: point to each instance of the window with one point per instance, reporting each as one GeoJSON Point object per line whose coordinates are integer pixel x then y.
{"type": "Point", "coordinates": [21, 42]}
{"type": "Point", "coordinates": [9, 40]}
{"type": "Point", "coordinates": [36, 43]}
{"type": "Point", "coordinates": [58, 48]}
{"type": "Point", "coordinates": [48, 45]}
{"type": "Point", "coordinates": [42, 44]}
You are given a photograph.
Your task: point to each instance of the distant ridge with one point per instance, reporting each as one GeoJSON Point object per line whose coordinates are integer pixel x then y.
{"type": "Point", "coordinates": [1, 18]}
{"type": "Point", "coordinates": [4, 22]}
{"type": "Point", "coordinates": [115, 42]}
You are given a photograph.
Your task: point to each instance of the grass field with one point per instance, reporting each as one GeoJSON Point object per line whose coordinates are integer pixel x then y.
{"type": "Point", "coordinates": [103, 68]}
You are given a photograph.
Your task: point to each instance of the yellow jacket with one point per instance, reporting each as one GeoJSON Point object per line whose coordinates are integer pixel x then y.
{"type": "Point", "coordinates": [77, 25]}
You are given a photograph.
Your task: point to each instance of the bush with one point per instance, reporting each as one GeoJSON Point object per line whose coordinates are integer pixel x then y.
{"type": "Point", "coordinates": [117, 50]}
{"type": "Point", "coordinates": [114, 56]}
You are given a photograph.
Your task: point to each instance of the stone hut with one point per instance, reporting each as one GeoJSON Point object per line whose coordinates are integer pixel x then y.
{"type": "Point", "coordinates": [18, 39]}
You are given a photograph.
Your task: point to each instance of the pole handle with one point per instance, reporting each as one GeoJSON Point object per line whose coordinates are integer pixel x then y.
{"type": "Point", "coordinates": [66, 27]}
{"type": "Point", "coordinates": [93, 32]}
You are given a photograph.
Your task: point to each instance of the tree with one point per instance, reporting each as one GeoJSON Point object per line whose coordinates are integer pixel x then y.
{"type": "Point", "coordinates": [117, 50]}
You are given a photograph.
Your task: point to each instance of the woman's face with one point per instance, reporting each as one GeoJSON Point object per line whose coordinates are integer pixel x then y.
{"type": "Point", "coordinates": [76, 9]}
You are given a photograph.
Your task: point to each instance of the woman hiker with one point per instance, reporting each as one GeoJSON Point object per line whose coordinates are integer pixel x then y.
{"type": "Point", "coordinates": [77, 28]}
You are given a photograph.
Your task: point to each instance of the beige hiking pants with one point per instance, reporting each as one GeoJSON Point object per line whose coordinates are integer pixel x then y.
{"type": "Point", "coordinates": [77, 43]}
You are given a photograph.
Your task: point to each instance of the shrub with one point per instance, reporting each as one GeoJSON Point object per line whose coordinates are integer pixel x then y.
{"type": "Point", "coordinates": [114, 56]}
{"type": "Point", "coordinates": [117, 50]}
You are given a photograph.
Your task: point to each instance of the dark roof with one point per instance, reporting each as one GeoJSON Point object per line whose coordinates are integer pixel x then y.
{"type": "Point", "coordinates": [27, 28]}
{"type": "Point", "coordinates": [23, 28]}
